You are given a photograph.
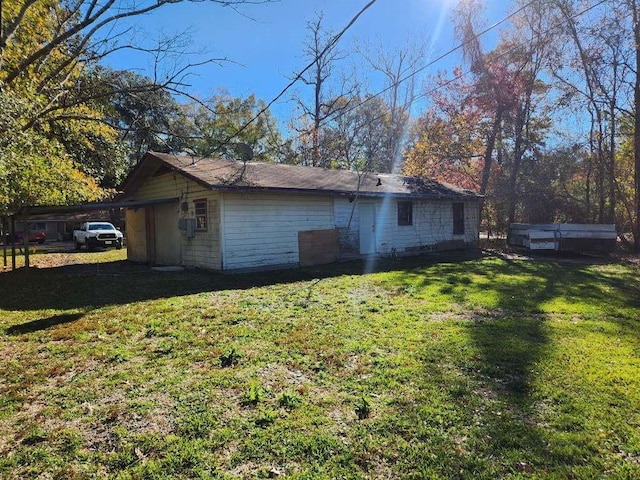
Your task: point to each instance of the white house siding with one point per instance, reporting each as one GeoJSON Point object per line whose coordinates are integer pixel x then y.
{"type": "Point", "coordinates": [261, 230]}
{"type": "Point", "coordinates": [347, 222]}
{"type": "Point", "coordinates": [432, 225]}
{"type": "Point", "coordinates": [203, 250]}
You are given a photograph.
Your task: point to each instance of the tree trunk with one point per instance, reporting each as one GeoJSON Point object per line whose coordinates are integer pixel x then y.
{"type": "Point", "coordinates": [488, 156]}
{"type": "Point", "coordinates": [636, 125]}
{"type": "Point", "coordinates": [518, 152]}
{"type": "Point", "coordinates": [315, 153]}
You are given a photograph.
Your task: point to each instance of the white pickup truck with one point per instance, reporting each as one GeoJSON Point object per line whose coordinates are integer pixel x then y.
{"type": "Point", "coordinates": [97, 234]}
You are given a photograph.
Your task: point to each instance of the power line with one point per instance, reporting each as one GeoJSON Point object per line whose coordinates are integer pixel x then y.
{"type": "Point", "coordinates": [332, 43]}
{"type": "Point", "coordinates": [334, 40]}
{"type": "Point", "coordinates": [446, 54]}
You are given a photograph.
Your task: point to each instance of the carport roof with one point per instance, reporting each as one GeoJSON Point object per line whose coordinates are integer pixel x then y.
{"type": "Point", "coordinates": [220, 174]}
{"type": "Point", "coordinates": [88, 207]}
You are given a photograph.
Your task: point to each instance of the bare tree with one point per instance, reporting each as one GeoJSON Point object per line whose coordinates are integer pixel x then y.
{"type": "Point", "coordinates": [81, 33]}
{"type": "Point", "coordinates": [323, 53]}
{"type": "Point", "coordinates": [635, 9]}
{"type": "Point", "coordinates": [399, 69]}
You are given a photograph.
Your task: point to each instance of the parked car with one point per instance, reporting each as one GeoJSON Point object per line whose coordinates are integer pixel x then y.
{"type": "Point", "coordinates": [34, 237]}
{"type": "Point", "coordinates": [97, 234]}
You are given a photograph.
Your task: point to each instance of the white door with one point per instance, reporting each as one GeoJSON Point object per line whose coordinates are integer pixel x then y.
{"type": "Point", "coordinates": [367, 217]}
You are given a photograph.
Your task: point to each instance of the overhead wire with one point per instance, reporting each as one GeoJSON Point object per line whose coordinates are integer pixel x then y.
{"type": "Point", "coordinates": [433, 90]}
{"type": "Point", "coordinates": [334, 40]}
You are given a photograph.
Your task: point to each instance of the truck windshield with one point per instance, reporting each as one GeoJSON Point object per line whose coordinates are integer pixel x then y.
{"type": "Point", "coordinates": [100, 226]}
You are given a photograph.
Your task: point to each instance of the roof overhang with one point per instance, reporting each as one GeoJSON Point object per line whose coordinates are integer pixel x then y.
{"type": "Point", "coordinates": [341, 193]}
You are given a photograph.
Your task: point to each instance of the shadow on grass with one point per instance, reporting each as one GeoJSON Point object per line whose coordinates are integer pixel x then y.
{"type": "Point", "coordinates": [508, 350]}
{"type": "Point", "coordinates": [115, 283]}
{"type": "Point", "coordinates": [529, 286]}
{"type": "Point", "coordinates": [43, 323]}
{"type": "Point", "coordinates": [491, 377]}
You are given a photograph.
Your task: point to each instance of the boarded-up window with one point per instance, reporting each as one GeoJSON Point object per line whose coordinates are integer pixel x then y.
{"type": "Point", "coordinates": [405, 213]}
{"type": "Point", "coordinates": [200, 207]}
{"type": "Point", "coordinates": [458, 218]}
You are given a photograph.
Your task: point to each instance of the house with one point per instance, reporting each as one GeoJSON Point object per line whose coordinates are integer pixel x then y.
{"type": "Point", "coordinates": [230, 216]}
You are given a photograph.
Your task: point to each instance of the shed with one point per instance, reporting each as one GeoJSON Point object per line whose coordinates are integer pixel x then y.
{"type": "Point", "coordinates": [564, 237]}
{"type": "Point", "coordinates": [230, 215]}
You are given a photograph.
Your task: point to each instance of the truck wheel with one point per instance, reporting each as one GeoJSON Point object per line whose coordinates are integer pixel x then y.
{"type": "Point", "coordinates": [78, 245]}
{"type": "Point", "coordinates": [119, 246]}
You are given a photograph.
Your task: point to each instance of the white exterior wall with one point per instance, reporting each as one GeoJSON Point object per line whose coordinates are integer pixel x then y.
{"type": "Point", "coordinates": [203, 250]}
{"type": "Point", "coordinates": [261, 230]}
{"type": "Point", "coordinates": [347, 221]}
{"type": "Point", "coordinates": [432, 225]}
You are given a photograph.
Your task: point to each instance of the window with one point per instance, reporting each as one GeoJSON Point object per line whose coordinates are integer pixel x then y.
{"type": "Point", "coordinates": [405, 213]}
{"type": "Point", "coordinates": [458, 218]}
{"type": "Point", "coordinates": [200, 207]}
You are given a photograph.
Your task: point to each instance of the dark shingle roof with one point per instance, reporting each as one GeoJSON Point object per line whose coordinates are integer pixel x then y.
{"type": "Point", "coordinates": [220, 174]}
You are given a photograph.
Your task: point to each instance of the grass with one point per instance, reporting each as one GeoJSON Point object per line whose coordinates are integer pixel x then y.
{"type": "Point", "coordinates": [479, 368]}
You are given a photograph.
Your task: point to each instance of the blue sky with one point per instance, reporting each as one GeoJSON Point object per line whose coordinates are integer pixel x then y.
{"type": "Point", "coordinates": [264, 43]}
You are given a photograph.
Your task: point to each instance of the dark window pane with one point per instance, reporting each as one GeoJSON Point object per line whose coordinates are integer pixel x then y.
{"type": "Point", "coordinates": [458, 218]}
{"type": "Point", "coordinates": [405, 213]}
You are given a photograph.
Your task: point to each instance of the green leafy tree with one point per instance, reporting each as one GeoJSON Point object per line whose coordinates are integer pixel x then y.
{"type": "Point", "coordinates": [50, 52]}
{"type": "Point", "coordinates": [35, 169]}
{"type": "Point", "coordinates": [145, 118]}
{"type": "Point", "coordinates": [218, 125]}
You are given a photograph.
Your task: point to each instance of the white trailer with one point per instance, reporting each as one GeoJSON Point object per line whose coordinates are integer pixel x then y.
{"type": "Point", "coordinates": [564, 237]}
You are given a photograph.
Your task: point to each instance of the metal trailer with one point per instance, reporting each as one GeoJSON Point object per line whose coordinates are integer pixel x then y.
{"type": "Point", "coordinates": [564, 237]}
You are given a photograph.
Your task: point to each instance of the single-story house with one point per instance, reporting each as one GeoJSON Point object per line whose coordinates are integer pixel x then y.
{"type": "Point", "coordinates": [231, 215]}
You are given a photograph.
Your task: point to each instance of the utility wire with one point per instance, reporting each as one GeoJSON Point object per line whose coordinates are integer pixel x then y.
{"type": "Point", "coordinates": [334, 40]}
{"type": "Point", "coordinates": [441, 57]}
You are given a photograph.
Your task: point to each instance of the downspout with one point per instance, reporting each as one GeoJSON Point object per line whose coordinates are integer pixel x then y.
{"type": "Point", "coordinates": [221, 232]}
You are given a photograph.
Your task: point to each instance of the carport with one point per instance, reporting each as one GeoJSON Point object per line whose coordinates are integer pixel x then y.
{"type": "Point", "coordinates": [25, 213]}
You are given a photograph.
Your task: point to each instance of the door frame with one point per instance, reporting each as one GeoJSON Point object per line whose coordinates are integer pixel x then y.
{"type": "Point", "coordinates": [367, 228]}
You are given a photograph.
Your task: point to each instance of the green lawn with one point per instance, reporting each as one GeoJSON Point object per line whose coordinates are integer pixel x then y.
{"type": "Point", "coordinates": [479, 368]}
